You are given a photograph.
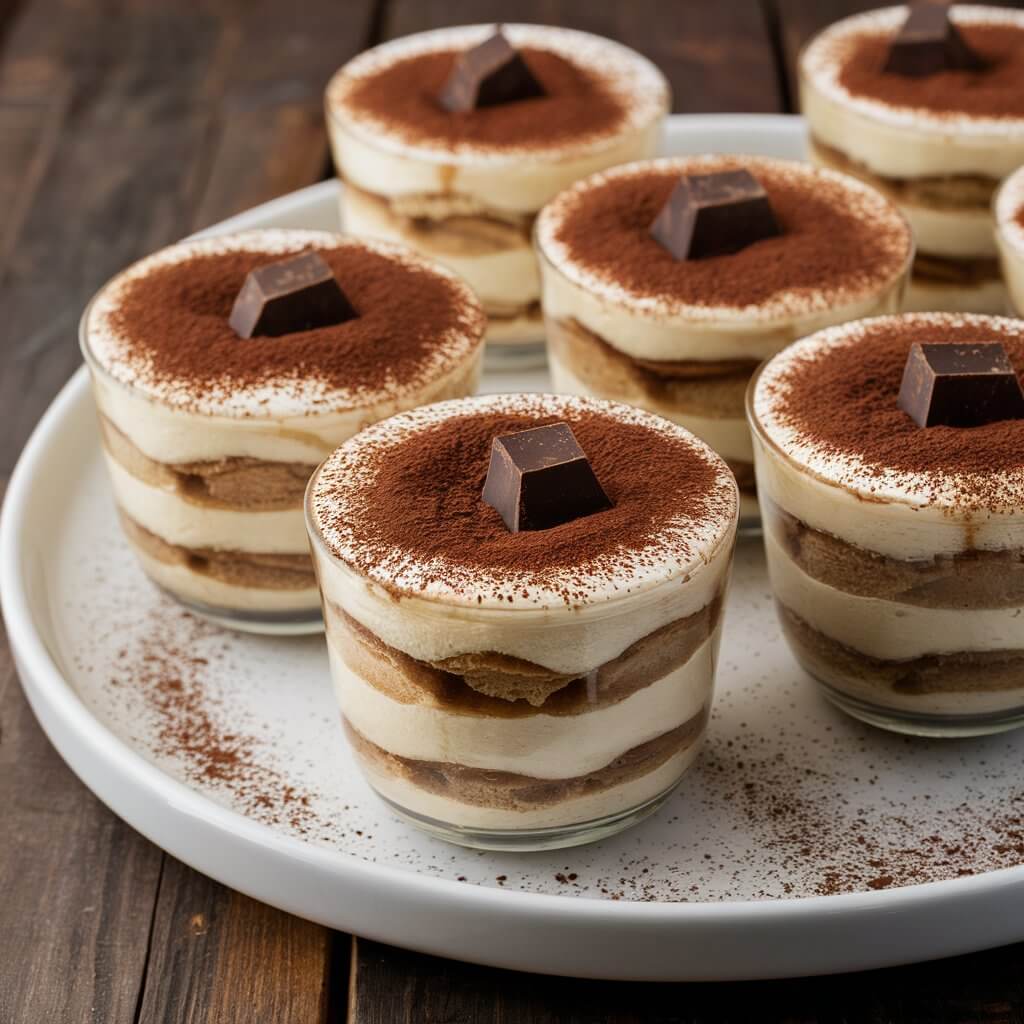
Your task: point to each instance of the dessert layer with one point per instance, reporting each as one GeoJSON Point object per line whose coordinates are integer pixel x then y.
{"type": "Point", "coordinates": [1009, 210]}
{"type": "Point", "coordinates": [708, 400]}
{"type": "Point", "coordinates": [236, 569]}
{"type": "Point", "coordinates": [577, 810]}
{"type": "Point", "coordinates": [170, 435]}
{"type": "Point", "coordinates": [493, 256]}
{"type": "Point", "coordinates": [539, 744]}
{"type": "Point", "coordinates": [254, 485]}
{"type": "Point", "coordinates": [968, 580]}
{"type": "Point", "coordinates": [161, 328]}
{"type": "Point", "coordinates": [889, 630]}
{"type": "Point", "coordinates": [516, 793]}
{"type": "Point", "coordinates": [604, 104]}
{"type": "Point", "coordinates": [954, 122]}
{"type": "Point", "coordinates": [965, 683]}
{"type": "Point", "coordinates": [492, 685]}
{"type": "Point", "coordinates": [828, 407]}
{"type": "Point", "coordinates": [842, 248]}
{"type": "Point", "coordinates": [950, 215]}
{"type": "Point", "coordinates": [398, 511]}
{"type": "Point", "coordinates": [183, 524]}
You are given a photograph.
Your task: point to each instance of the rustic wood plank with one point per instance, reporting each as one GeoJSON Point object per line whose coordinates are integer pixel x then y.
{"type": "Point", "coordinates": [716, 56]}
{"type": "Point", "coordinates": [218, 956]}
{"type": "Point", "coordinates": [396, 987]}
{"type": "Point", "coordinates": [77, 885]}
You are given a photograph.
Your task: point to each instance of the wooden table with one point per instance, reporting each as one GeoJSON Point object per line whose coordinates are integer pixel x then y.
{"type": "Point", "coordinates": [124, 125]}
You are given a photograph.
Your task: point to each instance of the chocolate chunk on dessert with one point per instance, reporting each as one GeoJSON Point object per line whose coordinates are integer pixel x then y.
{"type": "Point", "coordinates": [960, 385]}
{"type": "Point", "coordinates": [487, 75]}
{"type": "Point", "coordinates": [540, 478]}
{"type": "Point", "coordinates": [294, 294]}
{"type": "Point", "coordinates": [714, 214]}
{"type": "Point", "coordinates": [929, 42]}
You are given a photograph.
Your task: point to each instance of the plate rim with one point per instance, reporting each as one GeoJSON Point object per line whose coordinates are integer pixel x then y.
{"type": "Point", "coordinates": [51, 694]}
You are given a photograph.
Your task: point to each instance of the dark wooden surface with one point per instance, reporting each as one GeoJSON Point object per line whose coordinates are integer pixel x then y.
{"type": "Point", "coordinates": [125, 124]}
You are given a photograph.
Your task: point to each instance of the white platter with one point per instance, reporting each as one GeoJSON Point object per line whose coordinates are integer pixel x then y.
{"type": "Point", "coordinates": [801, 843]}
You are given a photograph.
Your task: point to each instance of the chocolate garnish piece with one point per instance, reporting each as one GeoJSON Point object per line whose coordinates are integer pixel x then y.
{"type": "Point", "coordinates": [960, 385]}
{"type": "Point", "coordinates": [293, 294]}
{"type": "Point", "coordinates": [539, 478]}
{"type": "Point", "coordinates": [714, 214]}
{"type": "Point", "coordinates": [488, 74]}
{"type": "Point", "coordinates": [929, 42]}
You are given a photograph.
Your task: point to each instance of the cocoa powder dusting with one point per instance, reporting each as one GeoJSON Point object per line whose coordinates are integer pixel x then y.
{"type": "Point", "coordinates": [826, 243]}
{"type": "Point", "coordinates": [175, 321]}
{"type": "Point", "coordinates": [996, 91]}
{"type": "Point", "coordinates": [578, 104]}
{"type": "Point", "coordinates": [1018, 217]}
{"type": "Point", "coordinates": [843, 401]}
{"type": "Point", "coordinates": [422, 502]}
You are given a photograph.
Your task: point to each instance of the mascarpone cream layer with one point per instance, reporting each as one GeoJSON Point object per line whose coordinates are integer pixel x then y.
{"type": "Point", "coordinates": [591, 807]}
{"type": "Point", "coordinates": [172, 435]}
{"type": "Point", "coordinates": [1010, 236]}
{"type": "Point", "coordinates": [901, 514]}
{"type": "Point", "coordinates": [889, 630]}
{"type": "Point", "coordinates": [903, 142]}
{"type": "Point", "coordinates": [572, 640]}
{"type": "Point", "coordinates": [199, 588]}
{"type": "Point", "coordinates": [375, 155]}
{"type": "Point", "coordinates": [543, 746]}
{"type": "Point", "coordinates": [283, 404]}
{"type": "Point", "coordinates": [507, 276]}
{"type": "Point", "coordinates": [729, 437]}
{"type": "Point", "coordinates": [660, 327]}
{"type": "Point", "coordinates": [956, 233]}
{"type": "Point", "coordinates": [184, 524]}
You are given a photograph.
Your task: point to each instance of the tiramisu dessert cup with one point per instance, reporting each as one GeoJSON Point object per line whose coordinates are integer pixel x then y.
{"type": "Point", "coordinates": [210, 437]}
{"type": "Point", "coordinates": [1009, 211]}
{"type": "Point", "coordinates": [530, 689]}
{"type": "Point", "coordinates": [628, 321]}
{"type": "Point", "coordinates": [937, 143]}
{"type": "Point", "coordinates": [463, 187]}
{"type": "Point", "coordinates": [896, 551]}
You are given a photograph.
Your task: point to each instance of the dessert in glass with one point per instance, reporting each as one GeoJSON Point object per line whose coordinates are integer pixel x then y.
{"type": "Point", "coordinates": [888, 456]}
{"type": "Point", "coordinates": [523, 641]}
{"type": "Point", "coordinates": [463, 186]}
{"type": "Point", "coordinates": [1009, 212]}
{"type": "Point", "coordinates": [210, 437]}
{"type": "Point", "coordinates": [937, 138]}
{"type": "Point", "coordinates": [629, 320]}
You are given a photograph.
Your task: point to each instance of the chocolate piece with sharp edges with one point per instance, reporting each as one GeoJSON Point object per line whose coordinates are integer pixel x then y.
{"type": "Point", "coordinates": [539, 478]}
{"type": "Point", "coordinates": [960, 385]}
{"type": "Point", "coordinates": [293, 294]}
{"type": "Point", "coordinates": [491, 73]}
{"type": "Point", "coordinates": [714, 214]}
{"type": "Point", "coordinates": [929, 42]}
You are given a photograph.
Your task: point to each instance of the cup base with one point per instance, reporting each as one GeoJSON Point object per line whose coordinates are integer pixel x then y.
{"type": "Point", "coordinates": [508, 357]}
{"type": "Point", "coordinates": [912, 723]}
{"type": "Point", "coordinates": [292, 623]}
{"type": "Point", "coordinates": [532, 840]}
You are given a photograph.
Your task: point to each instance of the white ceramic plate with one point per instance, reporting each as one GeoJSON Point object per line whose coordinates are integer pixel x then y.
{"type": "Point", "coordinates": [801, 843]}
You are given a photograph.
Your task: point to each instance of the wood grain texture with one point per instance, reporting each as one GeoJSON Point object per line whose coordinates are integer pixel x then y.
{"type": "Point", "coordinates": [395, 987]}
{"type": "Point", "coordinates": [218, 956]}
{"type": "Point", "coordinates": [717, 56]}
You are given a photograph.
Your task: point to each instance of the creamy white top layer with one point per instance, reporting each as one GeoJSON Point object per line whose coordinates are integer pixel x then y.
{"type": "Point", "coordinates": [638, 85]}
{"type": "Point", "coordinates": [903, 514]}
{"type": "Point", "coordinates": [821, 65]}
{"type": "Point", "coordinates": [286, 403]}
{"type": "Point", "coordinates": [1009, 203]}
{"type": "Point", "coordinates": [679, 550]}
{"type": "Point", "coordinates": [673, 329]}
